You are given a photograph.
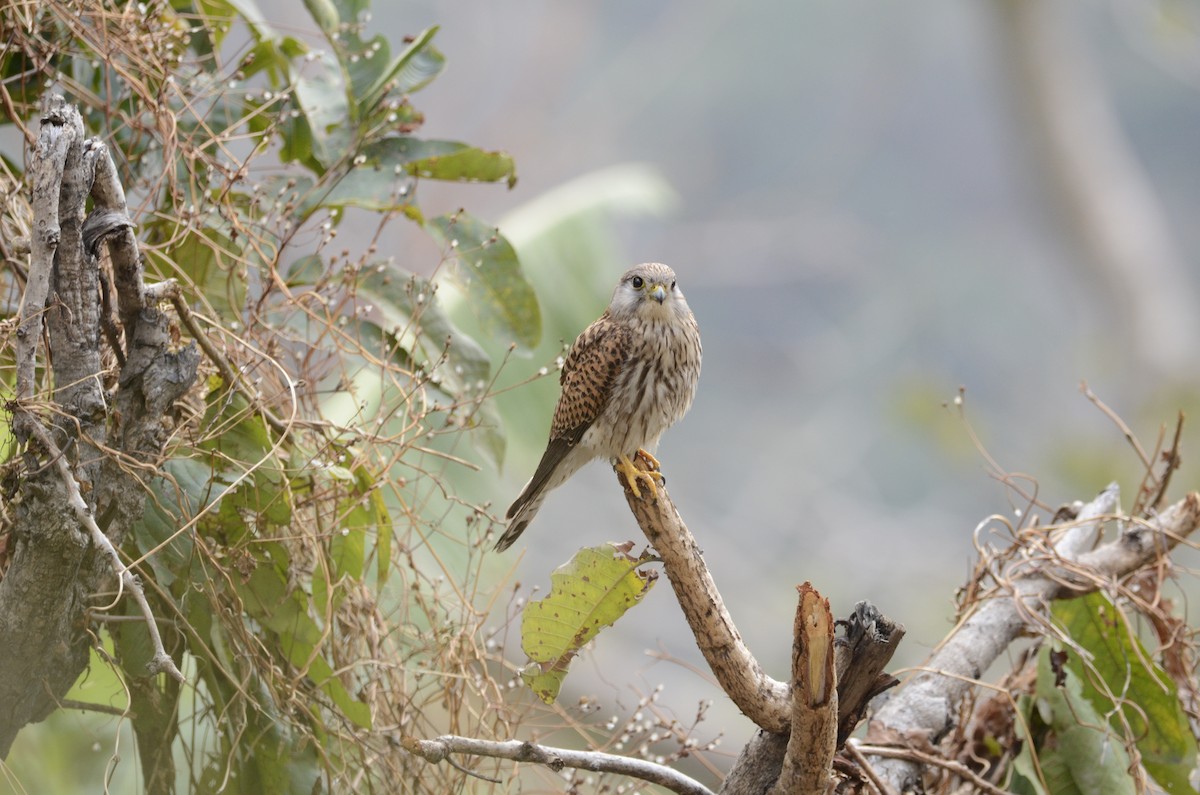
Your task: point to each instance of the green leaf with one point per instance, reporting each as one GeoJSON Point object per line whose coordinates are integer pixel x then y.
{"type": "Point", "coordinates": [267, 757]}
{"type": "Point", "coordinates": [412, 70]}
{"type": "Point", "coordinates": [237, 441]}
{"type": "Point", "coordinates": [254, 18]}
{"type": "Point", "coordinates": [321, 95]}
{"type": "Point", "coordinates": [588, 593]}
{"type": "Point", "coordinates": [131, 639]}
{"type": "Point", "coordinates": [325, 14]}
{"type": "Point", "coordinates": [348, 547]}
{"type": "Point", "coordinates": [467, 164]}
{"type": "Point", "coordinates": [364, 62]}
{"type": "Point", "coordinates": [1148, 699]}
{"type": "Point", "coordinates": [381, 179]}
{"type": "Point", "coordinates": [356, 711]}
{"type": "Point", "coordinates": [350, 11]}
{"type": "Point", "coordinates": [307, 271]}
{"type": "Point", "coordinates": [369, 186]}
{"type": "Point", "coordinates": [1077, 754]}
{"type": "Point", "coordinates": [184, 493]}
{"type": "Point", "coordinates": [490, 274]}
{"type": "Point", "coordinates": [383, 542]}
{"type": "Point", "coordinates": [202, 257]}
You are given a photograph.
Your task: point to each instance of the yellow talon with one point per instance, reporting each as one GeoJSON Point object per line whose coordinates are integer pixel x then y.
{"type": "Point", "coordinates": [648, 460]}
{"type": "Point", "coordinates": [633, 474]}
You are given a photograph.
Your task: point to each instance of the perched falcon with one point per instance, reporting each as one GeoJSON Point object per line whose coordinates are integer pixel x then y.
{"type": "Point", "coordinates": [628, 377]}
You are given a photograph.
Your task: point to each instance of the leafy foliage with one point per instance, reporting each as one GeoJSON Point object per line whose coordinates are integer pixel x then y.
{"type": "Point", "coordinates": [587, 593]}
{"type": "Point", "coordinates": [288, 533]}
{"type": "Point", "coordinates": [1122, 682]}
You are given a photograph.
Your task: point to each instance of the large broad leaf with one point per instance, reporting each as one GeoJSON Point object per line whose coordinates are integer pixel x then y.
{"type": "Point", "coordinates": [320, 92]}
{"type": "Point", "coordinates": [381, 178]}
{"type": "Point", "coordinates": [1148, 700]}
{"type": "Point", "coordinates": [325, 14]}
{"type": "Point", "coordinates": [1067, 741]}
{"type": "Point", "coordinates": [186, 488]}
{"type": "Point", "coordinates": [587, 594]}
{"type": "Point", "coordinates": [242, 456]}
{"type": "Point", "coordinates": [490, 273]}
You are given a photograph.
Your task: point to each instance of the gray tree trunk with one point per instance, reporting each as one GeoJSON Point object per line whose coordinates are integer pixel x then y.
{"type": "Point", "coordinates": [103, 403]}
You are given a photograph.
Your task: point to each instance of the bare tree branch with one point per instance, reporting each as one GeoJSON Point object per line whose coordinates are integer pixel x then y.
{"type": "Point", "coordinates": [923, 710]}
{"type": "Point", "coordinates": [764, 700]}
{"type": "Point", "coordinates": [62, 128]}
{"type": "Point", "coordinates": [809, 758]}
{"type": "Point", "coordinates": [439, 749]}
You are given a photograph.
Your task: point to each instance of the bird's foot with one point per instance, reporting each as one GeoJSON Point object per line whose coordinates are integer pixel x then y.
{"type": "Point", "coordinates": [650, 461]}
{"type": "Point", "coordinates": [633, 473]}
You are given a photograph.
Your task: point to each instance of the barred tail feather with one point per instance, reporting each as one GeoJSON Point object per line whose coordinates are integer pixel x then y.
{"type": "Point", "coordinates": [521, 514]}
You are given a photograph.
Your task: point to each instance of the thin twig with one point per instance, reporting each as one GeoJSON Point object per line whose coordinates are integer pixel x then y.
{"type": "Point", "coordinates": [1120, 423]}
{"type": "Point", "coordinates": [61, 128]}
{"type": "Point", "coordinates": [913, 755]}
{"type": "Point", "coordinates": [864, 766]}
{"type": "Point", "coordinates": [1171, 463]}
{"type": "Point", "coordinates": [438, 749]}
{"type": "Point", "coordinates": [227, 371]}
{"type": "Point", "coordinates": [88, 706]}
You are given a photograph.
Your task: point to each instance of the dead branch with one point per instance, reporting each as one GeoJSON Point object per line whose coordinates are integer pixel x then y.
{"type": "Point", "coordinates": [869, 641]}
{"type": "Point", "coordinates": [809, 758]}
{"type": "Point", "coordinates": [764, 700]}
{"type": "Point", "coordinates": [923, 710]}
{"type": "Point", "coordinates": [79, 496]}
{"type": "Point", "coordinates": [61, 130]}
{"type": "Point", "coordinates": [440, 748]}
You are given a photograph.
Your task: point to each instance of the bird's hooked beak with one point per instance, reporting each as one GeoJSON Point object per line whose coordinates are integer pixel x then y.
{"type": "Point", "coordinates": [658, 292]}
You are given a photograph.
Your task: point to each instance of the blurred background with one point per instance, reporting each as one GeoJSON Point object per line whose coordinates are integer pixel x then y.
{"type": "Point", "coordinates": [868, 206]}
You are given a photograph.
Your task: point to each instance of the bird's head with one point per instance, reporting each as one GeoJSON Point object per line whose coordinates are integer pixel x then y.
{"type": "Point", "coordinates": [648, 291]}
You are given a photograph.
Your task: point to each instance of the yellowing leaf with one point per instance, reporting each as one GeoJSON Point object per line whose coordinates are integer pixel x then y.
{"type": "Point", "coordinates": [587, 594]}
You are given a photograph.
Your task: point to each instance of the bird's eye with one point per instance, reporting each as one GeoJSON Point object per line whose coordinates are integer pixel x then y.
{"type": "Point", "coordinates": [672, 285]}
{"type": "Point", "coordinates": [638, 282]}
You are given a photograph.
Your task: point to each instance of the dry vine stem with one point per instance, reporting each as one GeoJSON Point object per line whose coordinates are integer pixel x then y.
{"type": "Point", "coordinates": [923, 710]}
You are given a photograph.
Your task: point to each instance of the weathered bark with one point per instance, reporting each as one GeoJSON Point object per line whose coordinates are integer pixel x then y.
{"type": "Point", "coordinates": [865, 646]}
{"type": "Point", "coordinates": [80, 484]}
{"type": "Point", "coordinates": [808, 763]}
{"type": "Point", "coordinates": [925, 707]}
{"type": "Point", "coordinates": [868, 642]}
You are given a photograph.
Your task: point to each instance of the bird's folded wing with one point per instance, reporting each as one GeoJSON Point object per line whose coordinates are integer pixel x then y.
{"type": "Point", "coordinates": [587, 379]}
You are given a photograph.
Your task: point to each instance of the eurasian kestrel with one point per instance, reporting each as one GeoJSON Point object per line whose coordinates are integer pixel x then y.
{"type": "Point", "coordinates": [628, 377]}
